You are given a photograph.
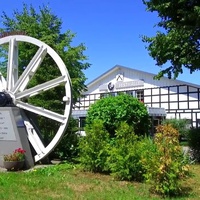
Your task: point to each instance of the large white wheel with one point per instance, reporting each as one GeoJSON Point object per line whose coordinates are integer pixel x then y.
{"type": "Point", "coordinates": [16, 87]}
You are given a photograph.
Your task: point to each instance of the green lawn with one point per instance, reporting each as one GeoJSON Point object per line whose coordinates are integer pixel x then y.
{"type": "Point", "coordinates": [65, 181]}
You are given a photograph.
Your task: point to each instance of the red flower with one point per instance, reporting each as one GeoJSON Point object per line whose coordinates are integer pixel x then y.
{"type": "Point", "coordinates": [17, 155]}
{"type": "Point", "coordinates": [19, 150]}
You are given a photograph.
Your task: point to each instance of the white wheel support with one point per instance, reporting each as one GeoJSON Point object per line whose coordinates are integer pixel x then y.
{"type": "Point", "coordinates": [16, 87]}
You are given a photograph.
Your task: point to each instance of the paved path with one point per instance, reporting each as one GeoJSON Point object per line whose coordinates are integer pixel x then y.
{"type": "Point", "coordinates": [2, 169]}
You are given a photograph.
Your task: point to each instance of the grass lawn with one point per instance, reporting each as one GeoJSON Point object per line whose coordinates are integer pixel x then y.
{"type": "Point", "coordinates": [65, 181]}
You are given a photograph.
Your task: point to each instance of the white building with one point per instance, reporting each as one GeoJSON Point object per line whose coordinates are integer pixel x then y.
{"type": "Point", "coordinates": [164, 98]}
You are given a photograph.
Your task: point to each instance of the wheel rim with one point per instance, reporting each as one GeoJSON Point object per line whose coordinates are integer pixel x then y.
{"type": "Point", "coordinates": [16, 87]}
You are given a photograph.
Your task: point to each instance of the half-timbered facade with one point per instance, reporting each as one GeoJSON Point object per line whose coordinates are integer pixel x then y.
{"type": "Point", "coordinates": [164, 98]}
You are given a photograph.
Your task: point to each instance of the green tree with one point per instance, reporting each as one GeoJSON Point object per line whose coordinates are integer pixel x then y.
{"type": "Point", "coordinates": [46, 26]}
{"type": "Point", "coordinates": [113, 110]}
{"type": "Point", "coordinates": [178, 45]}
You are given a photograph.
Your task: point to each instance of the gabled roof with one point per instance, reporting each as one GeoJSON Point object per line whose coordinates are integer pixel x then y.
{"type": "Point", "coordinates": [117, 67]}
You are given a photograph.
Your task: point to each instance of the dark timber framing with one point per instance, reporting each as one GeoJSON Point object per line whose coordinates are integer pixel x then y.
{"type": "Point", "coordinates": [177, 100]}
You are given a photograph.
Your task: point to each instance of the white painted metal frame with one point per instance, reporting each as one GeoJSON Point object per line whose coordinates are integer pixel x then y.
{"type": "Point", "coordinates": [16, 87]}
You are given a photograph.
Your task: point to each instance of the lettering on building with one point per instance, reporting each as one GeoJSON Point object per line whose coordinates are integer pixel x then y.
{"type": "Point", "coordinates": [129, 84]}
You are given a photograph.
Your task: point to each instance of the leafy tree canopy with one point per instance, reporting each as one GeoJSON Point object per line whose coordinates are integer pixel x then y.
{"type": "Point", "coordinates": [178, 46]}
{"type": "Point", "coordinates": [46, 26]}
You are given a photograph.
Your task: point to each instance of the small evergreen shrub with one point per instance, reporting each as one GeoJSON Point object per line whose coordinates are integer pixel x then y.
{"type": "Point", "coordinates": [167, 166]}
{"type": "Point", "coordinates": [94, 147]}
{"type": "Point", "coordinates": [194, 143]}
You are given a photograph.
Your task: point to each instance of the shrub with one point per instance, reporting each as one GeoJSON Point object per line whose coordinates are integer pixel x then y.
{"type": "Point", "coordinates": [127, 152]}
{"type": "Point", "coordinates": [179, 124]}
{"type": "Point", "coordinates": [94, 147]}
{"type": "Point", "coordinates": [67, 148]}
{"type": "Point", "coordinates": [124, 156]}
{"type": "Point", "coordinates": [148, 150]}
{"type": "Point", "coordinates": [194, 143]}
{"type": "Point", "coordinates": [168, 165]}
{"type": "Point", "coordinates": [113, 110]}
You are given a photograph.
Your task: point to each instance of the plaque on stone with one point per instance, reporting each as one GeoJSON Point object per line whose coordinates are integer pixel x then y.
{"type": "Point", "coordinates": [6, 127]}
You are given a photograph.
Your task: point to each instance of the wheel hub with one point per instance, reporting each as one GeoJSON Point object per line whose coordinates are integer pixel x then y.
{"type": "Point", "coordinates": [5, 99]}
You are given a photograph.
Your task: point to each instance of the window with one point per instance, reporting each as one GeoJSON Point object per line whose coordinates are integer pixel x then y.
{"type": "Point", "coordinates": [198, 123]}
{"type": "Point", "coordinates": [156, 121]}
{"type": "Point", "coordinates": [82, 123]}
{"type": "Point", "coordinates": [132, 93]}
{"type": "Point", "coordinates": [114, 94]}
{"type": "Point", "coordinates": [140, 95]}
{"type": "Point", "coordinates": [103, 95]}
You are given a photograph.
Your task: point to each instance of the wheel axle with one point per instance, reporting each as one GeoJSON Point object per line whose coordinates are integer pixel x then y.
{"type": "Point", "coordinates": [5, 99]}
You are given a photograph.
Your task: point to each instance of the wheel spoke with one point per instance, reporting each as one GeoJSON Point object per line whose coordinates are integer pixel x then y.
{"type": "Point", "coordinates": [12, 68]}
{"type": "Point", "coordinates": [30, 70]}
{"type": "Point", "coordinates": [41, 111]}
{"type": "Point", "coordinates": [40, 88]}
{"type": "Point", "coordinates": [33, 137]}
{"type": "Point", "coordinates": [3, 83]}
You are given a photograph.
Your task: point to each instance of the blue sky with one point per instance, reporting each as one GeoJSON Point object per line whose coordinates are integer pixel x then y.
{"type": "Point", "coordinates": [110, 29]}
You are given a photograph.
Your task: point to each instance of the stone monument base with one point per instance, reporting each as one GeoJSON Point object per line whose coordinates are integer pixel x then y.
{"type": "Point", "coordinates": [13, 135]}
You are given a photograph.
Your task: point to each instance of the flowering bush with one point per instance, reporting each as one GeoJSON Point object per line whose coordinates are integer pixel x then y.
{"type": "Point", "coordinates": [17, 155]}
